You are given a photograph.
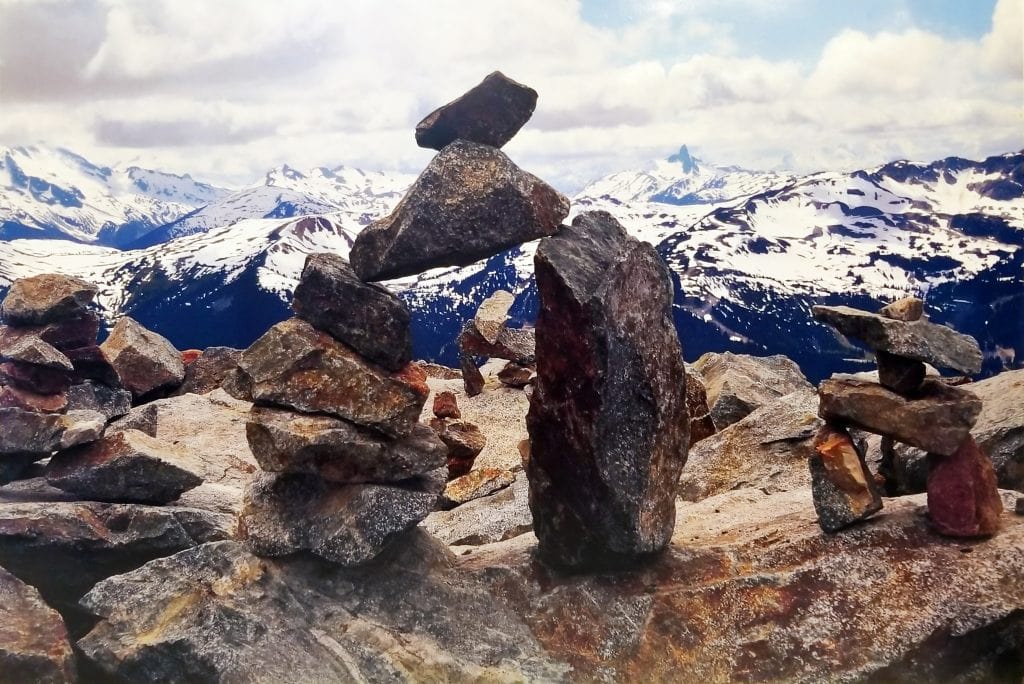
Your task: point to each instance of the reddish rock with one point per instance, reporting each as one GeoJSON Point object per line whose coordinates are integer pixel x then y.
{"type": "Point", "coordinates": [15, 397]}
{"type": "Point", "coordinates": [189, 356]}
{"type": "Point", "coordinates": [464, 440]}
{"type": "Point", "coordinates": [91, 364]}
{"type": "Point", "coordinates": [474, 485]}
{"type": "Point", "coordinates": [516, 376]}
{"type": "Point", "coordinates": [39, 379]}
{"type": "Point", "coordinates": [446, 406]}
{"type": "Point", "coordinates": [843, 488]}
{"type": "Point", "coordinates": [46, 298]}
{"type": "Point", "coordinates": [65, 334]}
{"type": "Point", "coordinates": [209, 369]}
{"type": "Point", "coordinates": [34, 644]}
{"type": "Point", "coordinates": [963, 500]}
{"type": "Point", "coordinates": [145, 361]}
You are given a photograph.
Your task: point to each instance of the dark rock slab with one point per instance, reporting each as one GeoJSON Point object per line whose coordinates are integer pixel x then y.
{"type": "Point", "coordinates": [738, 384]}
{"type": "Point", "coordinates": [470, 203]}
{"type": "Point", "coordinates": [145, 361]}
{"type": "Point", "coordinates": [38, 379]}
{"type": "Point", "coordinates": [937, 420]}
{"type": "Point", "coordinates": [34, 645]}
{"type": "Point", "coordinates": [472, 378]}
{"type": "Point", "coordinates": [65, 334]}
{"type": "Point", "coordinates": [446, 405]}
{"type": "Point", "coordinates": [368, 318]}
{"type": "Point", "coordinates": [91, 364]}
{"type": "Point", "coordinates": [347, 524]}
{"type": "Point", "coordinates": [46, 298]}
{"type": "Point", "coordinates": [336, 450]}
{"type": "Point", "coordinates": [608, 425]}
{"type": "Point", "coordinates": [95, 396]}
{"type": "Point", "coordinates": [490, 113]}
{"type": "Point", "coordinates": [702, 423]}
{"type": "Point", "coordinates": [902, 376]}
{"type": "Point", "coordinates": [920, 340]}
{"type": "Point", "coordinates": [29, 432]}
{"type": "Point", "coordinates": [208, 371]}
{"type": "Point", "coordinates": [843, 488]}
{"type": "Point", "coordinates": [297, 366]}
{"type": "Point", "coordinates": [963, 499]}
{"type": "Point", "coordinates": [127, 467]}
{"type": "Point", "coordinates": [17, 397]}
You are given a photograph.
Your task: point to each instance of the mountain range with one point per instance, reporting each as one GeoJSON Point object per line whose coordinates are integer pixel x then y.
{"type": "Point", "coordinates": [751, 251]}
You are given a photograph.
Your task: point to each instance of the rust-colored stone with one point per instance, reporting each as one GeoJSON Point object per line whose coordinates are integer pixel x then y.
{"type": "Point", "coordinates": [963, 500]}
{"type": "Point", "coordinates": [446, 405]}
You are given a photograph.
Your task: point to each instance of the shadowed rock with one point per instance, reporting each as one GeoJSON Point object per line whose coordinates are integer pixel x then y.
{"type": "Point", "coordinates": [962, 497]}
{"type": "Point", "coordinates": [91, 364]}
{"type": "Point", "coordinates": [902, 376]}
{"type": "Point", "coordinates": [17, 397]}
{"type": "Point", "coordinates": [737, 384]}
{"type": "Point", "coordinates": [514, 344]}
{"type": "Point", "coordinates": [209, 370]}
{"type": "Point", "coordinates": [46, 298]}
{"type": "Point", "coordinates": [607, 421]}
{"type": "Point", "coordinates": [145, 361]}
{"type": "Point", "coordinates": [490, 113]}
{"type": "Point", "coordinates": [65, 334]}
{"type": "Point", "coordinates": [843, 488]}
{"type": "Point", "coordinates": [472, 378]}
{"type": "Point", "coordinates": [702, 424]}
{"type": "Point", "coordinates": [94, 396]}
{"type": "Point", "coordinates": [33, 351]}
{"type": "Point", "coordinates": [29, 432]}
{"type": "Point", "coordinates": [34, 645]}
{"type": "Point", "coordinates": [470, 203]}
{"type": "Point", "coordinates": [516, 376]}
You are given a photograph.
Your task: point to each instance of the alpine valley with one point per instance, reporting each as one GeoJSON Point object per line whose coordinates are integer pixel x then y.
{"type": "Point", "coordinates": [751, 251]}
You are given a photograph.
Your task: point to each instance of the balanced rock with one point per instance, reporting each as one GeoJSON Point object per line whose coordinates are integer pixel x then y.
{"type": "Point", "coordinates": [607, 420]}
{"type": "Point", "coordinates": [464, 440]}
{"type": "Point", "coordinates": [906, 309]}
{"type": "Point", "coordinates": [64, 334]}
{"type": "Point", "coordinates": [17, 397]}
{"type": "Point", "coordinates": [127, 466]}
{"type": "Point", "coordinates": [298, 366]}
{"type": "Point", "coordinates": [145, 361]}
{"type": "Point", "coordinates": [843, 488]}
{"type": "Point", "coordinates": [738, 384]}
{"type": "Point", "coordinates": [963, 500]}
{"type": "Point", "coordinates": [46, 298]}
{"type": "Point", "coordinates": [514, 344]}
{"type": "Point", "coordinates": [471, 202]}
{"type": "Point", "coordinates": [919, 340]}
{"type": "Point", "coordinates": [472, 378]}
{"type": "Point", "coordinates": [208, 371]}
{"type": "Point", "coordinates": [446, 405]}
{"type": "Point", "coordinates": [490, 113]}
{"type": "Point", "coordinates": [34, 645]}
{"type": "Point", "coordinates": [937, 420]}
{"type": "Point", "coordinates": [347, 524]}
{"type": "Point", "coordinates": [95, 396]}
{"type": "Point", "coordinates": [492, 313]}
{"type": "Point", "coordinates": [368, 318]}
{"type": "Point", "coordinates": [337, 450]}
{"type": "Point", "coordinates": [902, 376]}
{"type": "Point", "coordinates": [702, 423]}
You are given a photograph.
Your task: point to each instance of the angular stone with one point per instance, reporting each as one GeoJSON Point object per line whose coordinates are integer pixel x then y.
{"type": "Point", "coordinates": [82, 427]}
{"type": "Point", "coordinates": [46, 298]}
{"type": "Point", "coordinates": [336, 450]}
{"type": "Point", "coordinates": [347, 524]}
{"type": "Point", "coordinates": [38, 379]}
{"type": "Point", "coordinates": [513, 344]}
{"type": "Point", "coordinates": [470, 203]}
{"type": "Point", "coordinates": [127, 467]}
{"type": "Point", "coordinates": [490, 113]}
{"type": "Point", "coordinates": [95, 396]}
{"type": "Point", "coordinates": [902, 376]}
{"type": "Point", "coordinates": [145, 361]}
{"type": "Point", "coordinates": [607, 420]}
{"type": "Point", "coordinates": [446, 406]}
{"type": "Point", "coordinates": [738, 384]}
{"type": "Point", "coordinates": [843, 488]}
{"type": "Point", "coordinates": [919, 340]}
{"type": "Point", "coordinates": [702, 423]}
{"type": "Point", "coordinates": [438, 371]}
{"type": "Point", "coordinates": [963, 500]}
{"type": "Point", "coordinates": [492, 313]}
{"type": "Point", "coordinates": [31, 350]}
{"type": "Point", "coordinates": [34, 645]}
{"type": "Point", "coordinates": [474, 485]}
{"type": "Point", "coordinates": [472, 378]}
{"type": "Point", "coordinates": [16, 397]}
{"type": "Point", "coordinates": [209, 370]}
{"type": "Point", "coordinates": [464, 440]}
{"type": "Point", "coordinates": [937, 420]}
{"type": "Point", "coordinates": [494, 518]}
{"type": "Point", "coordinates": [907, 309]}
{"type": "Point", "coordinates": [516, 376]}
{"type": "Point", "coordinates": [29, 432]}
{"type": "Point", "coordinates": [368, 318]}
{"type": "Point", "coordinates": [91, 364]}
{"type": "Point", "coordinates": [298, 366]}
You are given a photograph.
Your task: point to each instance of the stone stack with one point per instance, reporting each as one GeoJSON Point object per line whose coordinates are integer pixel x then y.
{"type": "Point", "coordinates": [904, 406]}
{"type": "Point", "coordinates": [487, 334]}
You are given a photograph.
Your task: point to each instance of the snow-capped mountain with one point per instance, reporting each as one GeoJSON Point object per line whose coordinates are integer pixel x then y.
{"type": "Point", "coordinates": [54, 193]}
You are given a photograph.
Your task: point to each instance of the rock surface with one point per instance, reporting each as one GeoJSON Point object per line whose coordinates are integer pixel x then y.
{"type": "Point", "coordinates": [474, 485]}
{"type": "Point", "coordinates": [490, 317]}
{"type": "Point", "coordinates": [209, 370]}
{"type": "Point", "coordinates": [368, 318]}
{"type": "Point", "coordinates": [19, 398]}
{"type": "Point", "coordinates": [607, 420]}
{"type": "Point", "coordinates": [471, 202]}
{"type": "Point", "coordinates": [446, 405]}
{"type": "Point", "coordinates": [902, 376]}
{"type": "Point", "coordinates": [963, 500]}
{"type": "Point", "coordinates": [81, 427]}
{"type": "Point", "coordinates": [702, 423]}
{"type": "Point", "coordinates": [33, 351]}
{"type": "Point", "coordinates": [905, 309]}
{"type": "Point", "coordinates": [91, 363]}
{"type": "Point", "coordinates": [27, 432]}
{"type": "Point", "coordinates": [145, 361]}
{"type": "Point", "coordinates": [94, 396]}
{"type": "Point", "coordinates": [738, 384]}
{"type": "Point", "coordinates": [65, 334]}
{"type": "Point", "coordinates": [45, 299]}
{"type": "Point", "coordinates": [514, 375]}
{"type": "Point", "coordinates": [490, 113]}
{"type": "Point", "coordinates": [514, 344]}
{"type": "Point", "coordinates": [472, 378]}
{"type": "Point", "coordinates": [34, 644]}
{"type": "Point", "coordinates": [843, 488]}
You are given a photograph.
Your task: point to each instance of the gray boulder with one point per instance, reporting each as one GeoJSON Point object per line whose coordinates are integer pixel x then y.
{"type": "Point", "coordinates": [738, 384]}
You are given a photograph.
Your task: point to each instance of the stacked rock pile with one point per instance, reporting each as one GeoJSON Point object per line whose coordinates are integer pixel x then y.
{"type": "Point", "coordinates": [906, 406]}
{"type": "Point", "coordinates": [464, 440]}
{"type": "Point", "coordinates": [487, 334]}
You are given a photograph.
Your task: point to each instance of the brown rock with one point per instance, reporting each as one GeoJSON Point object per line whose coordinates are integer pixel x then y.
{"type": "Point", "coordinates": [472, 378]}
{"type": "Point", "coordinates": [464, 440]}
{"type": "Point", "coordinates": [27, 432]}
{"type": "Point", "coordinates": [446, 406]}
{"type": "Point", "coordinates": [46, 298]}
{"type": "Point", "coordinates": [474, 485]}
{"type": "Point", "coordinates": [907, 309]}
{"type": "Point", "coordinates": [516, 376]}
{"type": "Point", "coordinates": [902, 376]}
{"type": "Point", "coordinates": [15, 397]}
{"type": "Point", "coordinates": [34, 645]}
{"type": "Point", "coordinates": [39, 379]}
{"type": "Point", "coordinates": [65, 334]}
{"type": "Point", "coordinates": [437, 371]}
{"type": "Point", "coordinates": [937, 420]}
{"type": "Point", "coordinates": [32, 351]}
{"type": "Point", "coordinates": [963, 500]}
{"type": "Point", "coordinates": [843, 488]}
{"type": "Point", "coordinates": [702, 423]}
{"type": "Point", "coordinates": [91, 364]}
{"type": "Point", "coordinates": [489, 519]}
{"type": "Point", "coordinates": [738, 384]}
{"type": "Point", "coordinates": [513, 344]}
{"type": "Point", "coordinates": [209, 369]}
{"type": "Point", "coordinates": [145, 361]}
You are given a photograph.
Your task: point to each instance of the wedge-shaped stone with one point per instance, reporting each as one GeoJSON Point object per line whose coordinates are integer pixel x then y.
{"type": "Point", "coordinates": [963, 500]}
{"type": "Point", "coordinates": [145, 361]}
{"type": "Point", "coordinates": [938, 420]}
{"type": "Point", "coordinates": [298, 366]}
{"type": "Point", "coordinates": [34, 645]}
{"type": "Point", "coordinates": [95, 396]}
{"type": "Point", "coordinates": [920, 340]}
{"type": "Point", "coordinates": [17, 397]}
{"type": "Point", "coordinates": [843, 488]}
{"type": "Point", "coordinates": [46, 298]}
{"type": "Point", "coordinates": [24, 431]}
{"type": "Point", "coordinates": [470, 203]}
{"type": "Point", "coordinates": [208, 371]}
{"type": "Point", "coordinates": [739, 384]}
{"type": "Point", "coordinates": [336, 450]}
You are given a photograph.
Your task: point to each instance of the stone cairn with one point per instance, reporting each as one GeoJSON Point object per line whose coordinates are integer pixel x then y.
{"type": "Point", "coordinates": [487, 334]}
{"type": "Point", "coordinates": [908, 406]}
{"type": "Point", "coordinates": [348, 468]}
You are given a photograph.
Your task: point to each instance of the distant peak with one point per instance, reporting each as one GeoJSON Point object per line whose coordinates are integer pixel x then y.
{"type": "Point", "coordinates": [683, 158]}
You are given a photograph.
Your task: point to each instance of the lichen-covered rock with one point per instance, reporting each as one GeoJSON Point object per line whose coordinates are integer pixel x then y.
{"type": "Point", "coordinates": [95, 396]}
{"type": "Point", "coordinates": [963, 500]}
{"type": "Point", "coordinates": [446, 405]}
{"type": "Point", "coordinates": [34, 645]}
{"type": "Point", "coordinates": [46, 298]}
{"type": "Point", "coordinates": [738, 384]}
{"type": "Point", "coordinates": [490, 113]}
{"type": "Point", "coordinates": [843, 488]}
{"type": "Point", "coordinates": [297, 366]}
{"type": "Point", "coordinates": [347, 524]}
{"type": "Point", "coordinates": [474, 485]}
{"type": "Point", "coordinates": [208, 371]}
{"type": "Point", "coordinates": [938, 419]}
{"type": "Point", "coordinates": [370, 319]}
{"type": "Point", "coordinates": [471, 202]}
{"type": "Point", "coordinates": [607, 421]}
{"type": "Point", "coordinates": [337, 450]}
{"type": "Point", "coordinates": [145, 361]}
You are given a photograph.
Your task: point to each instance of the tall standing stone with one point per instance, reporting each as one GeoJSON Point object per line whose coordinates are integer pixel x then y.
{"type": "Point", "coordinates": [607, 420]}
{"type": "Point", "coordinates": [963, 500]}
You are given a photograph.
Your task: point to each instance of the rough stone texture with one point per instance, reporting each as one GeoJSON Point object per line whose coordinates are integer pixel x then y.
{"type": "Point", "coordinates": [28, 432]}
{"type": "Point", "coordinates": [446, 406]}
{"type": "Point", "coordinates": [129, 467]}
{"type": "Point", "coordinates": [470, 203]}
{"type": "Point", "coordinates": [514, 344]}
{"type": "Point", "coordinates": [438, 371]}
{"type": "Point", "coordinates": [368, 318]}
{"type": "Point", "coordinates": [843, 488]}
{"type": "Point", "coordinates": [17, 397]}
{"type": "Point", "coordinates": [767, 450]}
{"type": "Point", "coordinates": [33, 351]}
{"type": "Point", "coordinates": [491, 315]}
{"type": "Point", "coordinates": [474, 485]}
{"type": "Point", "coordinates": [494, 518]}
{"type": "Point", "coordinates": [490, 113]}
{"type": "Point", "coordinates": [145, 361]}
{"type": "Point", "coordinates": [907, 309]}
{"type": "Point", "coordinates": [753, 591]}
{"type": "Point", "coordinates": [464, 441]}
{"type": "Point", "coordinates": [702, 423]}
{"type": "Point", "coordinates": [34, 645]}
{"type": "Point", "coordinates": [938, 420]}
{"type": "Point", "coordinates": [514, 375]}
{"type": "Point", "coordinates": [336, 450]}
{"type": "Point", "coordinates": [902, 376]}
{"type": "Point", "coordinates": [65, 334]}
{"type": "Point", "coordinates": [963, 500]}
{"type": "Point", "coordinates": [209, 370]}
{"type": "Point", "coordinates": [472, 378]}
{"type": "Point", "coordinates": [82, 427]}
{"type": "Point", "coordinates": [920, 340]}
{"type": "Point", "coordinates": [94, 396]}
{"type": "Point", "coordinates": [607, 421]}
{"type": "Point", "coordinates": [347, 524]}
{"type": "Point", "coordinates": [46, 298]}
{"type": "Point", "coordinates": [298, 366]}
{"type": "Point", "coordinates": [738, 384]}
{"type": "Point", "coordinates": [33, 378]}
{"type": "Point", "coordinates": [91, 364]}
